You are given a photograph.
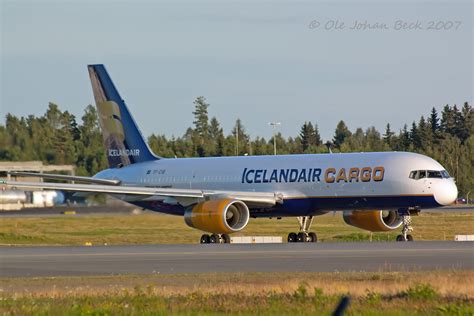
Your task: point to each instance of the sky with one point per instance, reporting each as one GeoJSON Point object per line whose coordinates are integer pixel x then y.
{"type": "Point", "coordinates": [260, 61]}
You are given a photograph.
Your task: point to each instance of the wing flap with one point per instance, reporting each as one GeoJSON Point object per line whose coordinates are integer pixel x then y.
{"type": "Point", "coordinates": [65, 177]}
{"type": "Point", "coordinates": [94, 188]}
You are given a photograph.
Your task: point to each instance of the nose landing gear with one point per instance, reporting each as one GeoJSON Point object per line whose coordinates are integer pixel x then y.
{"type": "Point", "coordinates": [406, 225]}
{"type": "Point", "coordinates": [215, 239]}
{"type": "Point", "coordinates": [303, 236]}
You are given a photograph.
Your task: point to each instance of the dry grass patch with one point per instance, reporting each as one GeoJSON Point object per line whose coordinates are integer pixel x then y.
{"type": "Point", "coordinates": [446, 283]}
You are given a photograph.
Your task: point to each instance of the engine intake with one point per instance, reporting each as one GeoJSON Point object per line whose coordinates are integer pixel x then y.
{"type": "Point", "coordinates": [374, 221]}
{"type": "Point", "coordinates": [222, 216]}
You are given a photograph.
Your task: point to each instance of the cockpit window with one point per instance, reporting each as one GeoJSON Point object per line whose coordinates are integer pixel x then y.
{"type": "Point", "coordinates": [433, 174]}
{"type": "Point", "coordinates": [445, 174]}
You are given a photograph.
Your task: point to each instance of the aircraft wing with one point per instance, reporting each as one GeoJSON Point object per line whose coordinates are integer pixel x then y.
{"type": "Point", "coordinates": [64, 177]}
{"type": "Point", "coordinates": [190, 196]}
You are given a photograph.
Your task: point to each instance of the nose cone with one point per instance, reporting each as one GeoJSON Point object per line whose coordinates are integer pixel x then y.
{"type": "Point", "coordinates": [446, 193]}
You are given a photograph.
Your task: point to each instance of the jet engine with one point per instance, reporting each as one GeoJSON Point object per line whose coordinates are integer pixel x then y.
{"type": "Point", "coordinates": [374, 221]}
{"type": "Point", "coordinates": [222, 216]}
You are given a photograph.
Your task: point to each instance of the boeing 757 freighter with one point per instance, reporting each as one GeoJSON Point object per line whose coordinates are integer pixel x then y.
{"type": "Point", "coordinates": [375, 191]}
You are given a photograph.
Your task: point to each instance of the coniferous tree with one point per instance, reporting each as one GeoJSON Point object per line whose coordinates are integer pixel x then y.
{"type": "Point", "coordinates": [56, 137]}
{"type": "Point", "coordinates": [201, 118]}
{"type": "Point", "coordinates": [307, 136]}
{"type": "Point", "coordinates": [388, 135]}
{"type": "Point", "coordinates": [448, 121]}
{"type": "Point", "coordinates": [414, 136]}
{"type": "Point", "coordinates": [404, 138]}
{"type": "Point", "coordinates": [458, 122]}
{"type": "Point", "coordinates": [424, 133]}
{"type": "Point", "coordinates": [202, 142]}
{"type": "Point", "coordinates": [217, 136]}
{"type": "Point", "coordinates": [341, 134]}
{"type": "Point", "coordinates": [433, 122]}
{"type": "Point", "coordinates": [467, 122]}
{"type": "Point", "coordinates": [240, 139]}
{"type": "Point", "coordinates": [66, 135]}
{"type": "Point", "coordinates": [317, 137]}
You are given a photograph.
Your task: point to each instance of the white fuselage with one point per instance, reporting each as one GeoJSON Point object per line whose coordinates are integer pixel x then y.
{"type": "Point", "coordinates": [307, 183]}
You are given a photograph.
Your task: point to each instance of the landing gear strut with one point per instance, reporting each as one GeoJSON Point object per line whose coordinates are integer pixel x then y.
{"type": "Point", "coordinates": [406, 226]}
{"type": "Point", "coordinates": [304, 235]}
{"type": "Point", "coordinates": [215, 239]}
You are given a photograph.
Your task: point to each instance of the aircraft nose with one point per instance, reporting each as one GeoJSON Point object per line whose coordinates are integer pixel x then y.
{"type": "Point", "coordinates": [447, 193]}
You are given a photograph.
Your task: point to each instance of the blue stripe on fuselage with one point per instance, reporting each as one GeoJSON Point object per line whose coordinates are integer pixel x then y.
{"type": "Point", "coordinates": [313, 205]}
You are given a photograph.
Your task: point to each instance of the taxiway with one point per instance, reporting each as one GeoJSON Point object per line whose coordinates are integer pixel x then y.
{"type": "Point", "coordinates": [167, 259]}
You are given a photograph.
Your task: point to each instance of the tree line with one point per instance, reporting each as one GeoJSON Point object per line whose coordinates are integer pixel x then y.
{"type": "Point", "coordinates": [58, 137]}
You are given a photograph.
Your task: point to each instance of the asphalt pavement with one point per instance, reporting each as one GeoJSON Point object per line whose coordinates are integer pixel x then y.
{"type": "Point", "coordinates": [169, 259]}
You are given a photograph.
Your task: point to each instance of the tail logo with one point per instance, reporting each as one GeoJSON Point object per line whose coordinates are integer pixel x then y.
{"type": "Point", "coordinates": [114, 134]}
{"type": "Point", "coordinates": [124, 152]}
{"type": "Point", "coordinates": [124, 143]}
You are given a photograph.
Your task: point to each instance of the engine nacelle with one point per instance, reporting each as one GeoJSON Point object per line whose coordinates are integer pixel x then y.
{"type": "Point", "coordinates": [374, 221]}
{"type": "Point", "coordinates": [218, 216]}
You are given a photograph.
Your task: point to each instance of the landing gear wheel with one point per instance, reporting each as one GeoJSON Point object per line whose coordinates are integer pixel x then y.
{"type": "Point", "coordinates": [205, 239]}
{"type": "Point", "coordinates": [313, 237]}
{"type": "Point", "coordinates": [225, 239]}
{"type": "Point", "coordinates": [401, 238]}
{"type": "Point", "coordinates": [292, 237]}
{"type": "Point", "coordinates": [406, 225]}
{"type": "Point", "coordinates": [214, 239]}
{"type": "Point", "coordinates": [302, 237]}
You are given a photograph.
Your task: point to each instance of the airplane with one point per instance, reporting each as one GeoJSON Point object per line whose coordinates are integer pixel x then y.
{"type": "Point", "coordinates": [376, 191]}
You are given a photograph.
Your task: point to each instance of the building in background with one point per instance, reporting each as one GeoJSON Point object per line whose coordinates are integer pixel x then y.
{"type": "Point", "coordinates": [19, 199]}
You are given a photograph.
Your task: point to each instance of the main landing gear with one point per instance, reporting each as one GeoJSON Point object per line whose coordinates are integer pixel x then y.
{"type": "Point", "coordinates": [303, 236]}
{"type": "Point", "coordinates": [215, 239]}
{"type": "Point", "coordinates": [406, 225]}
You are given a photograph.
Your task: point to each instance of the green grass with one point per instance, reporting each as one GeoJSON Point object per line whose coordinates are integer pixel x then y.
{"type": "Point", "coordinates": [236, 304]}
{"type": "Point", "coordinates": [15, 238]}
{"type": "Point", "coordinates": [149, 228]}
{"type": "Point", "coordinates": [382, 293]}
{"type": "Point", "coordinates": [420, 291]}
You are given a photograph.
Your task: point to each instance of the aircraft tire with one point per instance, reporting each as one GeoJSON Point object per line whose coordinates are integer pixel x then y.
{"type": "Point", "coordinates": [409, 238]}
{"type": "Point", "coordinates": [214, 239]}
{"type": "Point", "coordinates": [302, 237]}
{"type": "Point", "coordinates": [313, 237]}
{"type": "Point", "coordinates": [226, 238]}
{"type": "Point", "coordinates": [292, 237]}
{"type": "Point", "coordinates": [205, 239]}
{"type": "Point", "coordinates": [400, 238]}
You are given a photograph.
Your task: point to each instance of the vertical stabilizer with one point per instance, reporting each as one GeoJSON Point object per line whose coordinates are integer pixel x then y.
{"type": "Point", "coordinates": [123, 140]}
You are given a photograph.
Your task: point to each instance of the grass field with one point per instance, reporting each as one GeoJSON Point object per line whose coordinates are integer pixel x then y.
{"type": "Point", "coordinates": [381, 293]}
{"type": "Point", "coordinates": [385, 293]}
{"type": "Point", "coordinates": [149, 228]}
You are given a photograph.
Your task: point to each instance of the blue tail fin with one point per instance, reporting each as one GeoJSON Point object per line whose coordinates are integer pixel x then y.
{"type": "Point", "coordinates": [123, 141]}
